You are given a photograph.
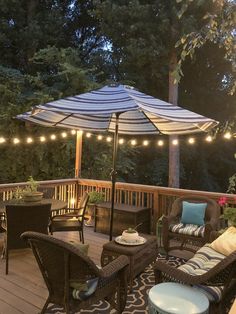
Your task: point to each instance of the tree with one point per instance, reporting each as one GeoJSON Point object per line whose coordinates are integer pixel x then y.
{"type": "Point", "coordinates": [142, 36]}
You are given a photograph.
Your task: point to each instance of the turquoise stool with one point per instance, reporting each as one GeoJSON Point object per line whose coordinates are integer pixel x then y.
{"type": "Point", "coordinates": [175, 298]}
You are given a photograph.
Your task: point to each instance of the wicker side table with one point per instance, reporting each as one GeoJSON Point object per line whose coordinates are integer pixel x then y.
{"type": "Point", "coordinates": [140, 256]}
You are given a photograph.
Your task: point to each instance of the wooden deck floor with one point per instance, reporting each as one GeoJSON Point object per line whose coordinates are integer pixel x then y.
{"type": "Point", "coordinates": [23, 289]}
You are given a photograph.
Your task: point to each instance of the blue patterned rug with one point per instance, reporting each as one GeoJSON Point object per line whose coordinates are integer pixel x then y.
{"type": "Point", "coordinates": [136, 301]}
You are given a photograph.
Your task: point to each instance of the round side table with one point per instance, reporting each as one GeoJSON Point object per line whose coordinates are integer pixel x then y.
{"type": "Point", "coordinates": [175, 298]}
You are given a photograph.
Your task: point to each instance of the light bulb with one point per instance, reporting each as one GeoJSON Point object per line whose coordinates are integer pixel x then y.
{"type": "Point", "coordinates": [145, 143]}
{"type": "Point", "coordinates": [16, 140]}
{"type": "Point", "coordinates": [53, 137]}
{"type": "Point", "coordinates": [160, 143]}
{"type": "Point", "coordinates": [191, 140]}
{"type": "Point", "coordinates": [133, 142]}
{"type": "Point", "coordinates": [100, 137]}
{"type": "Point", "coordinates": [64, 134]}
{"type": "Point", "coordinates": [42, 138]}
{"type": "Point", "coordinates": [175, 142]}
{"type": "Point", "coordinates": [209, 138]}
{"type": "Point", "coordinates": [2, 140]}
{"type": "Point", "coordinates": [29, 140]}
{"type": "Point", "coordinates": [73, 132]}
{"type": "Point", "coordinates": [228, 135]}
{"type": "Point", "coordinates": [88, 135]}
{"type": "Point", "coordinates": [109, 139]}
{"type": "Point", "coordinates": [121, 141]}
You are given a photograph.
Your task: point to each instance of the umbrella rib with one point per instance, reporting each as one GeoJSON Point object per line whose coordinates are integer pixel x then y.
{"type": "Point", "coordinates": [151, 122]}
{"type": "Point", "coordinates": [70, 115]}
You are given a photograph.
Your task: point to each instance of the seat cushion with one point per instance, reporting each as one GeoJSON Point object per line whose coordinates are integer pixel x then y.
{"type": "Point", "coordinates": [205, 259]}
{"type": "Point", "coordinates": [188, 229]}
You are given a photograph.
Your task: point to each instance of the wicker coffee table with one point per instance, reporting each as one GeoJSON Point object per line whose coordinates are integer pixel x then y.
{"type": "Point", "coordinates": [140, 256]}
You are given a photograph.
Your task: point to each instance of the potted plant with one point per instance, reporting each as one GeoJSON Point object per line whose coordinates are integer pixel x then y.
{"type": "Point", "coordinates": [30, 193]}
{"type": "Point", "coordinates": [230, 215]}
{"type": "Point", "coordinates": [94, 198]}
{"type": "Point", "coordinates": [131, 235]}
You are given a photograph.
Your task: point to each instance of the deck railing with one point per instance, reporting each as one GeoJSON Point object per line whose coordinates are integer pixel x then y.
{"type": "Point", "coordinates": [159, 199]}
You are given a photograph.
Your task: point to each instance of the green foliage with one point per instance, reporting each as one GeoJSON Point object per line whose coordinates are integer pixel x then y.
{"type": "Point", "coordinates": [232, 184]}
{"type": "Point", "coordinates": [230, 215]}
{"type": "Point", "coordinates": [96, 197]}
{"type": "Point", "coordinates": [32, 185]}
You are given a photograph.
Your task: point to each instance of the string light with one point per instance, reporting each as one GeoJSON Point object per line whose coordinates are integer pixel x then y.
{"type": "Point", "coordinates": [191, 140]}
{"type": "Point", "coordinates": [64, 134]}
{"type": "Point", "coordinates": [228, 135]}
{"type": "Point", "coordinates": [209, 138]}
{"type": "Point", "coordinates": [29, 140]}
{"type": "Point", "coordinates": [175, 142]}
{"type": "Point", "coordinates": [2, 140]}
{"type": "Point", "coordinates": [133, 142]}
{"type": "Point", "coordinates": [16, 140]}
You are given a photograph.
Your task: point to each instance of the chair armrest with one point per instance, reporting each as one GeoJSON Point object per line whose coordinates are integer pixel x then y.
{"type": "Point", "coordinates": [116, 265]}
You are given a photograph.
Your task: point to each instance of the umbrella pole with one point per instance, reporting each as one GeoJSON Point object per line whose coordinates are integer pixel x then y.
{"type": "Point", "coordinates": [113, 174]}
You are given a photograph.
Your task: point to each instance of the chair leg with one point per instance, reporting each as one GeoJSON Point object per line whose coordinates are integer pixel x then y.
{"type": "Point", "coordinates": [45, 306]}
{"type": "Point", "coordinates": [7, 256]}
{"type": "Point", "coordinates": [81, 235]}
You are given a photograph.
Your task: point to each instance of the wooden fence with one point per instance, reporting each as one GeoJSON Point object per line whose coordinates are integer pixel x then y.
{"type": "Point", "coordinates": [159, 199]}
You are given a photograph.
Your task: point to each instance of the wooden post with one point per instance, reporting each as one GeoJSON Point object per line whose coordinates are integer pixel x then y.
{"type": "Point", "coordinates": [78, 153]}
{"type": "Point", "coordinates": [173, 149]}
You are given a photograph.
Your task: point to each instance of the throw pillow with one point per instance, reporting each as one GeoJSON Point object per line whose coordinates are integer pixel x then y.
{"type": "Point", "coordinates": [193, 213]}
{"type": "Point", "coordinates": [82, 247]}
{"type": "Point", "coordinates": [226, 243]}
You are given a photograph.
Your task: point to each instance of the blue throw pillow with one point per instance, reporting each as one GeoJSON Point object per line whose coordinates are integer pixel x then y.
{"type": "Point", "coordinates": [193, 213]}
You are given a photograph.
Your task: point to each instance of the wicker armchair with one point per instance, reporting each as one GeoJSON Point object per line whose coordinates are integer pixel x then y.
{"type": "Point", "coordinates": [72, 221]}
{"type": "Point", "coordinates": [200, 235]}
{"type": "Point", "coordinates": [217, 282]}
{"type": "Point", "coordinates": [21, 218]}
{"type": "Point", "coordinates": [62, 265]}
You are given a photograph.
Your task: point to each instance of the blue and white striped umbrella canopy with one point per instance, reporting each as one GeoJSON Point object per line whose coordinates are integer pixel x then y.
{"type": "Point", "coordinates": [140, 113]}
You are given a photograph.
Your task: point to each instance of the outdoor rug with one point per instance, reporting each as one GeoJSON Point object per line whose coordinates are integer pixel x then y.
{"type": "Point", "coordinates": [137, 301]}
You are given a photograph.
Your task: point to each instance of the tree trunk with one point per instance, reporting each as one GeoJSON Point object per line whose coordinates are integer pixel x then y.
{"type": "Point", "coordinates": [173, 149]}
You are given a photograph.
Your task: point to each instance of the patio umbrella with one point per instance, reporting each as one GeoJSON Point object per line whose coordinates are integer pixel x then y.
{"type": "Point", "coordinates": [119, 109]}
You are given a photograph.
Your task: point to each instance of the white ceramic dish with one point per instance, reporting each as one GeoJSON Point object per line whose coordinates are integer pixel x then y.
{"type": "Point", "coordinates": [139, 241]}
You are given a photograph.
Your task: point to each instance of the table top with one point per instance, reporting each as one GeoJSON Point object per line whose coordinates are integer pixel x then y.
{"type": "Point", "coordinates": [55, 204]}
{"type": "Point", "coordinates": [122, 207]}
{"type": "Point", "coordinates": [177, 298]}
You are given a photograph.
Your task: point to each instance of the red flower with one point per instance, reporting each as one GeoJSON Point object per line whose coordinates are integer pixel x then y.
{"type": "Point", "coordinates": [222, 201]}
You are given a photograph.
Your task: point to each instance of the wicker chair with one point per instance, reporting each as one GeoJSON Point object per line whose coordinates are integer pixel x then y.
{"type": "Point", "coordinates": [219, 278]}
{"type": "Point", "coordinates": [72, 221]}
{"type": "Point", "coordinates": [201, 235]}
{"type": "Point", "coordinates": [21, 218]}
{"type": "Point", "coordinates": [62, 264]}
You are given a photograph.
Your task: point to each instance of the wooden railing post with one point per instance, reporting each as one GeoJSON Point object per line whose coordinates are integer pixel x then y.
{"type": "Point", "coordinates": [156, 211]}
